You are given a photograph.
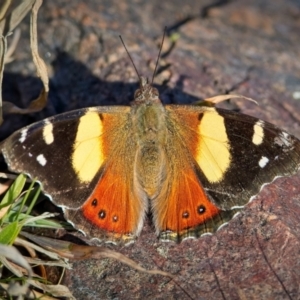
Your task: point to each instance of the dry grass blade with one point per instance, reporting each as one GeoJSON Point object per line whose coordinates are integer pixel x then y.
{"type": "Point", "coordinates": [11, 14]}
{"type": "Point", "coordinates": [57, 290]}
{"type": "Point", "coordinates": [4, 210]}
{"type": "Point", "coordinates": [3, 47]}
{"type": "Point", "coordinates": [3, 188]}
{"type": "Point", "coordinates": [220, 98]}
{"type": "Point", "coordinates": [97, 252]}
{"type": "Point", "coordinates": [12, 47]}
{"type": "Point", "coordinates": [39, 63]}
{"type": "Point", "coordinates": [32, 295]}
{"type": "Point", "coordinates": [4, 8]}
{"type": "Point", "coordinates": [11, 267]}
{"type": "Point", "coordinates": [51, 254]}
{"type": "Point", "coordinates": [53, 263]}
{"type": "Point", "coordinates": [78, 252]}
{"type": "Point", "coordinates": [11, 253]}
{"type": "Point", "coordinates": [8, 176]}
{"type": "Point", "coordinates": [17, 15]}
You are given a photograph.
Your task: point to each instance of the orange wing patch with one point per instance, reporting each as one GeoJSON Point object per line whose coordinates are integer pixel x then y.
{"type": "Point", "coordinates": [111, 206]}
{"type": "Point", "coordinates": [186, 206]}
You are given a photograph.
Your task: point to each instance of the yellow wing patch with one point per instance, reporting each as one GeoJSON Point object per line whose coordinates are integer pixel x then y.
{"type": "Point", "coordinates": [48, 133]}
{"type": "Point", "coordinates": [258, 135]}
{"type": "Point", "coordinates": [88, 154]}
{"type": "Point", "coordinates": [213, 155]}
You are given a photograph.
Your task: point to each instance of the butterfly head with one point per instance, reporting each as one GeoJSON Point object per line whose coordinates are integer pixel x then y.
{"type": "Point", "coordinates": [146, 93]}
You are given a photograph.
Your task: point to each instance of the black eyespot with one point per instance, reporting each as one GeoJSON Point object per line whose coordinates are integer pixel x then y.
{"type": "Point", "coordinates": [115, 218]}
{"type": "Point", "coordinates": [94, 202]}
{"type": "Point", "coordinates": [102, 214]}
{"type": "Point", "coordinates": [201, 209]}
{"type": "Point", "coordinates": [185, 214]}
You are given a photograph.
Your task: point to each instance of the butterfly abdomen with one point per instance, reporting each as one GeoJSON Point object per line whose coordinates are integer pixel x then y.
{"type": "Point", "coordinates": [150, 168]}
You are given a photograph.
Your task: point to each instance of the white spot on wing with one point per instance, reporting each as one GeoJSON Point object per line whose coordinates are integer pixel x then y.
{"type": "Point", "coordinates": [284, 140]}
{"type": "Point", "coordinates": [23, 135]}
{"type": "Point", "coordinates": [41, 160]}
{"type": "Point", "coordinates": [263, 162]}
{"type": "Point", "coordinates": [285, 135]}
{"type": "Point", "coordinates": [287, 139]}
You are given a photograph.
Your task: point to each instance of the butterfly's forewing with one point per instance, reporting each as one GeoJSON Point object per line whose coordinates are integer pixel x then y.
{"type": "Point", "coordinates": [219, 159]}
{"type": "Point", "coordinates": [260, 152]}
{"type": "Point", "coordinates": [84, 161]}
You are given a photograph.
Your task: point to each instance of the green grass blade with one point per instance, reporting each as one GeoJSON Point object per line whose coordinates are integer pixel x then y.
{"type": "Point", "coordinates": [14, 191]}
{"type": "Point", "coordinates": [9, 233]}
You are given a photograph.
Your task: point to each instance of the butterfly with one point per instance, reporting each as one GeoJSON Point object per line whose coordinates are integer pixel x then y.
{"type": "Point", "coordinates": [193, 167]}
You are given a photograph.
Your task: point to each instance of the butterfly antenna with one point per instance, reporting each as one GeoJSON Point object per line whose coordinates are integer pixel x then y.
{"type": "Point", "coordinates": [161, 45]}
{"type": "Point", "coordinates": [130, 58]}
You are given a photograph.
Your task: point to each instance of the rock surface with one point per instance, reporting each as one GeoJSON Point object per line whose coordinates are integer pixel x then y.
{"type": "Point", "coordinates": [242, 47]}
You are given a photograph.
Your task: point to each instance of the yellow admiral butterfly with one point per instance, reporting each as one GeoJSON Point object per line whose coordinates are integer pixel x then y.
{"type": "Point", "coordinates": [194, 167]}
